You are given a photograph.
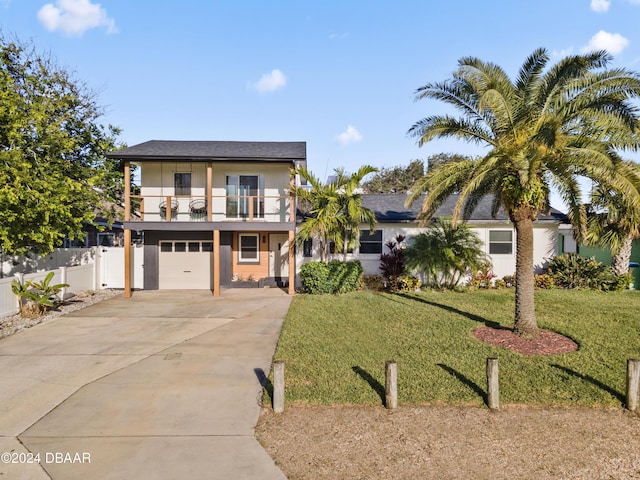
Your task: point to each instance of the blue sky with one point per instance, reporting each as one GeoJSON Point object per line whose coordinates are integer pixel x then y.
{"type": "Point", "coordinates": [339, 75]}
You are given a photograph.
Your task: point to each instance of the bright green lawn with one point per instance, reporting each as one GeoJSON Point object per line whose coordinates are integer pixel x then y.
{"type": "Point", "coordinates": [335, 347]}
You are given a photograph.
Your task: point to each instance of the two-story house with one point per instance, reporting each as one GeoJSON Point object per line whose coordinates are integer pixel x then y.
{"type": "Point", "coordinates": [212, 212]}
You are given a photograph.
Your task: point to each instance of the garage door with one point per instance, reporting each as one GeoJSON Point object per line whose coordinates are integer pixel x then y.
{"type": "Point", "coordinates": [185, 265]}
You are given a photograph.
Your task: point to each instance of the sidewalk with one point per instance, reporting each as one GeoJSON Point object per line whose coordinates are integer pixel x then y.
{"type": "Point", "coordinates": [164, 385]}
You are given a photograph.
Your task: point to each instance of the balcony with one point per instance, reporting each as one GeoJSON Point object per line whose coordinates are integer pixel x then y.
{"type": "Point", "coordinates": [226, 208]}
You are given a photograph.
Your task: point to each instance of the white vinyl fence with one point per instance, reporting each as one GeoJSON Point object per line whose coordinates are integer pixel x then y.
{"type": "Point", "coordinates": [82, 277]}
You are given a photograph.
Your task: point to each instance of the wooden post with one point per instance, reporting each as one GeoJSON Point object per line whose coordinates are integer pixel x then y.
{"type": "Point", "coordinates": [127, 263]}
{"type": "Point", "coordinates": [292, 263]}
{"type": "Point", "coordinates": [633, 384]}
{"type": "Point", "coordinates": [127, 191]}
{"type": "Point", "coordinates": [278, 386]}
{"type": "Point", "coordinates": [168, 210]}
{"type": "Point", "coordinates": [216, 263]}
{"type": "Point", "coordinates": [493, 391]}
{"type": "Point", "coordinates": [209, 192]}
{"type": "Point", "coordinates": [391, 384]}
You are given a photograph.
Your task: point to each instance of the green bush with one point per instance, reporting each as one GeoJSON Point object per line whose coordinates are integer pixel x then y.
{"type": "Point", "coordinates": [374, 282]}
{"type": "Point", "coordinates": [334, 277]}
{"type": "Point", "coordinates": [573, 271]}
{"type": "Point", "coordinates": [404, 283]}
{"type": "Point", "coordinates": [544, 280]}
{"type": "Point", "coordinates": [35, 298]}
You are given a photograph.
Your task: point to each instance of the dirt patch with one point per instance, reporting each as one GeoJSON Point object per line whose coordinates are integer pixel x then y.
{"type": "Point", "coordinates": [547, 343]}
{"type": "Point", "coordinates": [441, 442]}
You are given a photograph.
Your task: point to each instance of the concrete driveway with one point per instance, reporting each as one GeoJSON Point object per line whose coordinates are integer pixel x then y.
{"type": "Point", "coordinates": [163, 385]}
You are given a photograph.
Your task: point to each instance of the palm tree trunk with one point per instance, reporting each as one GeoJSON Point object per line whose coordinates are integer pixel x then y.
{"type": "Point", "coordinates": [620, 260]}
{"type": "Point", "coordinates": [525, 324]}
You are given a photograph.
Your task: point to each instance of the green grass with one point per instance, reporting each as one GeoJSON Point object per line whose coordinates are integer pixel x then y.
{"type": "Point", "coordinates": [335, 347]}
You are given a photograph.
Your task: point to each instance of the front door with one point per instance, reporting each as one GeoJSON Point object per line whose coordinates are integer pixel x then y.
{"type": "Point", "coordinates": [279, 255]}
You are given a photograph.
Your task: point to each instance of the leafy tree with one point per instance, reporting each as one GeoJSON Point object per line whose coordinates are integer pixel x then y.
{"type": "Point", "coordinates": [613, 223]}
{"type": "Point", "coordinates": [333, 210]}
{"type": "Point", "coordinates": [445, 253]}
{"type": "Point", "coordinates": [396, 179]}
{"type": "Point", "coordinates": [543, 129]}
{"type": "Point", "coordinates": [54, 176]}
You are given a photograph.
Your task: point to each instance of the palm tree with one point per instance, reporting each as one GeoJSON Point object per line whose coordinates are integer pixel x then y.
{"type": "Point", "coordinates": [352, 213]}
{"type": "Point", "coordinates": [444, 253]}
{"type": "Point", "coordinates": [613, 224]}
{"type": "Point", "coordinates": [544, 129]}
{"type": "Point", "coordinates": [333, 210]}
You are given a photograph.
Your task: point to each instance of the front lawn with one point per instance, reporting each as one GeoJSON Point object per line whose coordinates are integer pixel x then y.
{"type": "Point", "coordinates": [335, 346]}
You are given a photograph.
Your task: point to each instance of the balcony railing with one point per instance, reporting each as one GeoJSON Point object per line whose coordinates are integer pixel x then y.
{"type": "Point", "coordinates": [241, 208]}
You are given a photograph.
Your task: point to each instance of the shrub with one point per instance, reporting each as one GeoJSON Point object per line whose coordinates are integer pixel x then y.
{"type": "Point", "coordinates": [374, 282]}
{"type": "Point", "coordinates": [35, 298]}
{"type": "Point", "coordinates": [509, 281]}
{"type": "Point", "coordinates": [334, 277]}
{"type": "Point", "coordinates": [574, 271]}
{"type": "Point", "coordinates": [544, 281]}
{"type": "Point", "coordinates": [404, 283]}
{"type": "Point", "coordinates": [482, 278]}
{"type": "Point", "coordinates": [392, 263]}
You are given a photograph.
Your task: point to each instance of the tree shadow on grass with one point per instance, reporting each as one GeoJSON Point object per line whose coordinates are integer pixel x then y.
{"type": "Point", "coordinates": [465, 380]}
{"type": "Point", "coordinates": [448, 308]}
{"type": "Point", "coordinates": [593, 381]}
{"type": "Point", "coordinates": [373, 383]}
{"type": "Point", "coordinates": [264, 382]}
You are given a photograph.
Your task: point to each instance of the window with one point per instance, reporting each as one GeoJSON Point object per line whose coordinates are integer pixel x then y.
{"type": "Point", "coordinates": [307, 248]}
{"type": "Point", "coordinates": [207, 246]}
{"type": "Point", "coordinates": [248, 251]}
{"type": "Point", "coordinates": [182, 183]}
{"type": "Point", "coordinates": [180, 247]}
{"type": "Point", "coordinates": [245, 196]}
{"type": "Point", "coordinates": [500, 242]}
{"type": "Point", "coordinates": [194, 246]}
{"type": "Point", "coordinates": [166, 247]}
{"type": "Point", "coordinates": [371, 243]}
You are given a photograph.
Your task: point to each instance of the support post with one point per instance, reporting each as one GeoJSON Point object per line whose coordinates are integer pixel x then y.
{"type": "Point", "coordinates": [633, 384]}
{"type": "Point", "coordinates": [127, 263]}
{"type": "Point", "coordinates": [292, 263]}
{"type": "Point", "coordinates": [493, 391]}
{"type": "Point", "coordinates": [127, 191]}
{"type": "Point", "coordinates": [278, 386]}
{"type": "Point", "coordinates": [216, 263]}
{"type": "Point", "coordinates": [391, 385]}
{"type": "Point", "coordinates": [209, 192]}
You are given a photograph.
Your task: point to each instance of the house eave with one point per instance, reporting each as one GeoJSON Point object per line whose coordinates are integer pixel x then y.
{"type": "Point", "coordinates": [210, 226]}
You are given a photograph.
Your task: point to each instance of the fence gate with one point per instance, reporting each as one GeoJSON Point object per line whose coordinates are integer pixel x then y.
{"type": "Point", "coordinates": [112, 267]}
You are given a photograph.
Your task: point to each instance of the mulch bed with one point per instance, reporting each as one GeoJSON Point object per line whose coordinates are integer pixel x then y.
{"type": "Point", "coordinates": [547, 343]}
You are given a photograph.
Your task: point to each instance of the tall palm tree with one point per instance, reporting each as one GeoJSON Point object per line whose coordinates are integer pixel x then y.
{"type": "Point", "coordinates": [614, 223]}
{"type": "Point", "coordinates": [333, 210]}
{"type": "Point", "coordinates": [352, 212]}
{"type": "Point", "coordinates": [546, 128]}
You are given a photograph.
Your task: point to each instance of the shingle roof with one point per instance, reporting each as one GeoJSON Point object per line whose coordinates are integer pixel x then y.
{"type": "Point", "coordinates": [177, 150]}
{"type": "Point", "coordinates": [389, 208]}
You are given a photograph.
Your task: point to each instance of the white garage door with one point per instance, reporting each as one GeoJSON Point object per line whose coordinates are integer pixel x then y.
{"type": "Point", "coordinates": [185, 265]}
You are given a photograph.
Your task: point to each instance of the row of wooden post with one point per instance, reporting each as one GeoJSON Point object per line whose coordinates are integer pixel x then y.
{"type": "Point", "coordinates": [493, 389]}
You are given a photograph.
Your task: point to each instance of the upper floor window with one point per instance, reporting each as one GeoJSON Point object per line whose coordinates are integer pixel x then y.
{"type": "Point", "coordinates": [182, 183]}
{"type": "Point", "coordinates": [371, 242]}
{"type": "Point", "coordinates": [501, 242]}
{"type": "Point", "coordinates": [245, 196]}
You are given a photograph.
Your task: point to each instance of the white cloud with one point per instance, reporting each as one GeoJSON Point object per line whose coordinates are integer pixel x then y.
{"type": "Point", "coordinates": [600, 5]}
{"type": "Point", "coordinates": [350, 135]}
{"type": "Point", "coordinates": [74, 17]}
{"type": "Point", "coordinates": [270, 82]}
{"type": "Point", "coordinates": [634, 2]}
{"type": "Point", "coordinates": [614, 43]}
{"type": "Point", "coordinates": [340, 36]}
